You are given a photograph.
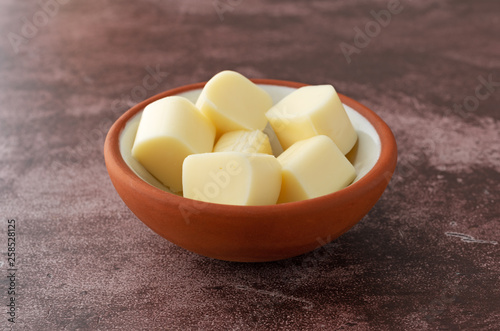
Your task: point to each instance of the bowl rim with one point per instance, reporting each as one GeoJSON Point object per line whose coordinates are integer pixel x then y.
{"type": "Point", "coordinates": [384, 166]}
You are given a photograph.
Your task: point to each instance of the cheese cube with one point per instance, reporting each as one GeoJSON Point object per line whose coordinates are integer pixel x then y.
{"type": "Point", "coordinates": [244, 141]}
{"type": "Point", "coordinates": [232, 178]}
{"type": "Point", "coordinates": [312, 168]}
{"type": "Point", "coordinates": [171, 129]}
{"type": "Point", "coordinates": [311, 111]}
{"type": "Point", "coordinates": [233, 102]}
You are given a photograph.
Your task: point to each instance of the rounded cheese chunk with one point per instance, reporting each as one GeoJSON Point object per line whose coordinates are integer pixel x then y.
{"type": "Point", "coordinates": [171, 129]}
{"type": "Point", "coordinates": [232, 178]}
{"type": "Point", "coordinates": [244, 141]}
{"type": "Point", "coordinates": [312, 168]}
{"type": "Point", "coordinates": [311, 111]}
{"type": "Point", "coordinates": [233, 102]}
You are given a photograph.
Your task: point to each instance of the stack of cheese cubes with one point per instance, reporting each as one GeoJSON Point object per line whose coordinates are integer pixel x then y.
{"type": "Point", "coordinates": [216, 151]}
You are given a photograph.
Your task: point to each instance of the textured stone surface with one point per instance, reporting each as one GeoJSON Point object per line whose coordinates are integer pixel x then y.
{"type": "Point", "coordinates": [426, 256]}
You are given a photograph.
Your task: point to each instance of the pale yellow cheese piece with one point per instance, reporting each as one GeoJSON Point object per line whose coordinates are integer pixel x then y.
{"type": "Point", "coordinates": [312, 168]}
{"type": "Point", "coordinates": [311, 111]}
{"type": "Point", "coordinates": [244, 141]}
{"type": "Point", "coordinates": [232, 178]}
{"type": "Point", "coordinates": [233, 102]}
{"type": "Point", "coordinates": [171, 129]}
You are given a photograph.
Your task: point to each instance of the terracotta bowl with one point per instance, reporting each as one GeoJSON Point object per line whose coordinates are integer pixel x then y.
{"type": "Point", "coordinates": [253, 233]}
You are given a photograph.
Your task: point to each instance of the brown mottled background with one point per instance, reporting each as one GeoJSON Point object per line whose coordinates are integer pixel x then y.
{"type": "Point", "coordinates": [426, 257]}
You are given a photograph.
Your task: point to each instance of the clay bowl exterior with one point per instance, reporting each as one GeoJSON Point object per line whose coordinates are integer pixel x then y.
{"type": "Point", "coordinates": [250, 233]}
